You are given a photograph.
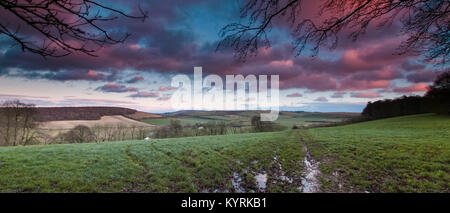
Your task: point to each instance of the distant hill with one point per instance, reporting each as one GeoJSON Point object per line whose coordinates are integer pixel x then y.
{"type": "Point", "coordinates": [243, 118]}
{"type": "Point", "coordinates": [45, 114]}
{"type": "Point", "coordinates": [249, 113]}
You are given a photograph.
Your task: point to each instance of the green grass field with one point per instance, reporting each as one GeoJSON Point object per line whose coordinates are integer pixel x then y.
{"type": "Point", "coordinates": [287, 119]}
{"type": "Point", "coordinates": [183, 121]}
{"type": "Point", "coordinates": [168, 165]}
{"type": "Point", "coordinates": [403, 154]}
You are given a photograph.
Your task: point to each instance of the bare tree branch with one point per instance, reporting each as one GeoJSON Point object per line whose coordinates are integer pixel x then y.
{"type": "Point", "coordinates": [63, 26]}
{"type": "Point", "coordinates": [426, 23]}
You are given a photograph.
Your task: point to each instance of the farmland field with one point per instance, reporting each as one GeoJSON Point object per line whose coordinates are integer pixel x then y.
{"type": "Point", "coordinates": [287, 119]}
{"type": "Point", "coordinates": [55, 127]}
{"type": "Point", "coordinates": [208, 163]}
{"type": "Point", "coordinates": [402, 154]}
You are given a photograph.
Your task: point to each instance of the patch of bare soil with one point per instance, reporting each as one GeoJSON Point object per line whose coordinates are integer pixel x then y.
{"type": "Point", "coordinates": [142, 115]}
{"type": "Point", "coordinates": [310, 181]}
{"type": "Point", "coordinates": [237, 183]}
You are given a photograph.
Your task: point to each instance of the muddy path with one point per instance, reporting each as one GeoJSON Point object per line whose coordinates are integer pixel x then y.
{"type": "Point", "coordinates": [310, 179]}
{"type": "Point", "coordinates": [140, 184]}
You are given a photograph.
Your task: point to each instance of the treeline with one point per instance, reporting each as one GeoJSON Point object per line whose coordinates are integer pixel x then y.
{"type": "Point", "coordinates": [85, 134]}
{"type": "Point", "coordinates": [436, 100]}
{"type": "Point", "coordinates": [175, 129]}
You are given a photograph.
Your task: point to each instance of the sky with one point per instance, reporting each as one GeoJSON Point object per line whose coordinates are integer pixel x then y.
{"type": "Point", "coordinates": [181, 34]}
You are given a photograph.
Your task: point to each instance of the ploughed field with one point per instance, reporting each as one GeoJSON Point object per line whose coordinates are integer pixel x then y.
{"type": "Point", "coordinates": [403, 154]}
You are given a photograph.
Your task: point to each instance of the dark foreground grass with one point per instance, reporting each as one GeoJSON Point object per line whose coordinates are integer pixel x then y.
{"type": "Point", "coordinates": [403, 154]}
{"type": "Point", "coordinates": [197, 164]}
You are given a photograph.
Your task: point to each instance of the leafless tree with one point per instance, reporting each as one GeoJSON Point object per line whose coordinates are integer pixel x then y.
{"type": "Point", "coordinates": [62, 27]}
{"type": "Point", "coordinates": [425, 22]}
{"type": "Point", "coordinates": [79, 134]}
{"type": "Point", "coordinates": [16, 123]}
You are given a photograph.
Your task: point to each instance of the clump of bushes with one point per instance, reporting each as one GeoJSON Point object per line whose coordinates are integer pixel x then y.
{"type": "Point", "coordinates": [175, 129]}
{"type": "Point", "coordinates": [85, 134]}
{"type": "Point", "coordinates": [79, 134]}
{"type": "Point", "coordinates": [264, 126]}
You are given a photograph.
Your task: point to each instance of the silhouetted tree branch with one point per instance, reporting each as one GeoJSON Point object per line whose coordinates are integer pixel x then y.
{"type": "Point", "coordinates": [426, 23]}
{"type": "Point", "coordinates": [62, 26]}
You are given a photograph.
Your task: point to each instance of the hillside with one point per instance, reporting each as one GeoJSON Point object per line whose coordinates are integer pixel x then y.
{"type": "Point", "coordinates": [44, 114]}
{"type": "Point", "coordinates": [403, 154]}
{"type": "Point", "coordinates": [242, 118]}
{"type": "Point", "coordinates": [207, 163]}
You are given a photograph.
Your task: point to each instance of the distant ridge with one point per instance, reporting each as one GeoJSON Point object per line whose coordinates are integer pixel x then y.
{"type": "Point", "coordinates": [44, 114]}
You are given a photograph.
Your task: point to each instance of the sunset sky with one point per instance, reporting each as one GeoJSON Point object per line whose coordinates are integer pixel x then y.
{"type": "Point", "coordinates": [181, 34]}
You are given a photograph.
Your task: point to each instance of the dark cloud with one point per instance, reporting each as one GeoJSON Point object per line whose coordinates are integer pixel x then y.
{"type": "Point", "coordinates": [165, 97]}
{"type": "Point", "coordinates": [422, 76]}
{"type": "Point", "coordinates": [339, 94]}
{"type": "Point", "coordinates": [365, 95]}
{"type": "Point", "coordinates": [412, 66]}
{"type": "Point", "coordinates": [135, 79]}
{"type": "Point", "coordinates": [166, 44]}
{"type": "Point", "coordinates": [321, 99]}
{"type": "Point", "coordinates": [294, 95]}
{"type": "Point", "coordinates": [116, 88]}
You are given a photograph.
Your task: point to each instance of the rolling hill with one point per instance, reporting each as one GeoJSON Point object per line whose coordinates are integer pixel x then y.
{"type": "Point", "coordinates": [44, 114]}
{"type": "Point", "coordinates": [242, 118]}
{"type": "Point", "coordinates": [402, 154]}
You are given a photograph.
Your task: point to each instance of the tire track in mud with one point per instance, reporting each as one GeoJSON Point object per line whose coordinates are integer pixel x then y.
{"type": "Point", "coordinates": [177, 160]}
{"type": "Point", "coordinates": [153, 146]}
{"type": "Point", "coordinates": [143, 178]}
{"type": "Point", "coordinates": [310, 181]}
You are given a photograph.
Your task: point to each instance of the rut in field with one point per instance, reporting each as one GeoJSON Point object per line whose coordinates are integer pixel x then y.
{"type": "Point", "coordinates": [310, 181]}
{"type": "Point", "coordinates": [141, 183]}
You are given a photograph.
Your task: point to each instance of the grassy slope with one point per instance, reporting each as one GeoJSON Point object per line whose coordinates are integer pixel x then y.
{"type": "Point", "coordinates": [287, 119]}
{"type": "Point", "coordinates": [183, 121]}
{"type": "Point", "coordinates": [407, 154]}
{"type": "Point", "coordinates": [404, 154]}
{"type": "Point", "coordinates": [166, 165]}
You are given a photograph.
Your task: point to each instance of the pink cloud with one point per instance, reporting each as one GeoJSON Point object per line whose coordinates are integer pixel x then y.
{"type": "Point", "coordinates": [134, 46]}
{"type": "Point", "coordinates": [351, 84]}
{"type": "Point", "coordinates": [318, 82]}
{"type": "Point", "coordinates": [164, 89]}
{"type": "Point", "coordinates": [294, 95]}
{"type": "Point", "coordinates": [165, 98]}
{"type": "Point", "coordinates": [282, 63]}
{"type": "Point", "coordinates": [419, 87]}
